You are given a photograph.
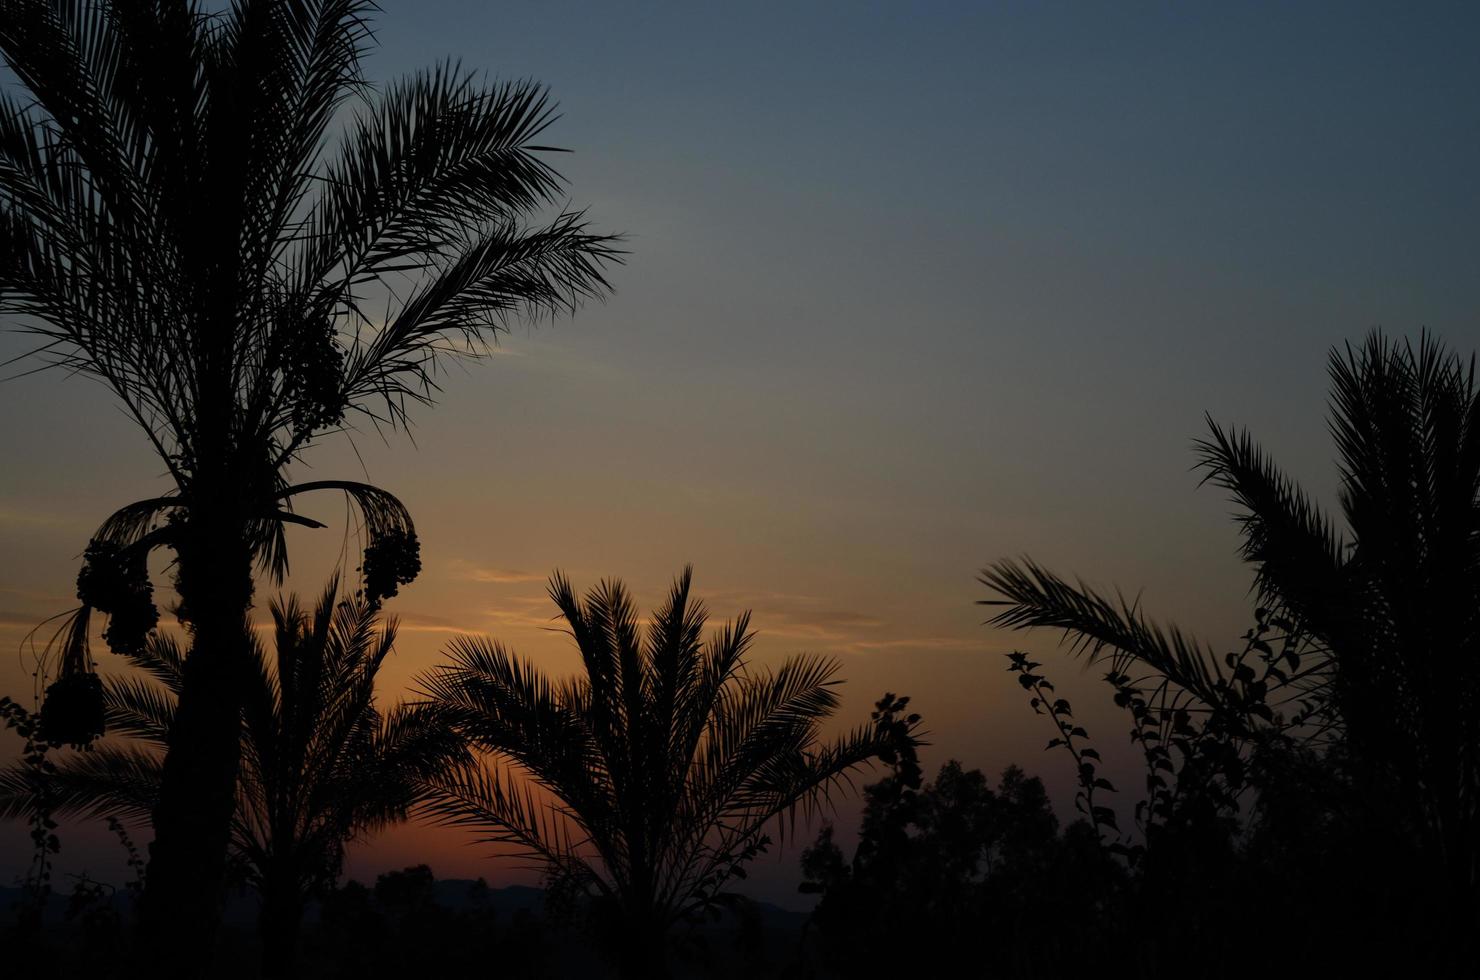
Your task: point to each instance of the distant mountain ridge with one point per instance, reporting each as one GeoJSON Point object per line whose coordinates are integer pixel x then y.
{"type": "Point", "coordinates": [454, 894]}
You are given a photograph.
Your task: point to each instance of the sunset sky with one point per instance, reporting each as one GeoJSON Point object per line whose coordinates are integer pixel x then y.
{"type": "Point", "coordinates": [911, 287]}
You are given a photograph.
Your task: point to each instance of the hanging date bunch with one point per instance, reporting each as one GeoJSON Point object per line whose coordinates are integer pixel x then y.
{"type": "Point", "coordinates": [391, 561]}
{"type": "Point", "coordinates": [392, 551]}
{"type": "Point", "coordinates": [115, 580]}
{"type": "Point", "coordinates": [312, 368]}
{"type": "Point", "coordinates": [72, 709]}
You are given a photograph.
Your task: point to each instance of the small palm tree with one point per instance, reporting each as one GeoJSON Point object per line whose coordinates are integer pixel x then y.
{"type": "Point", "coordinates": [648, 782]}
{"type": "Point", "coordinates": [1391, 610]}
{"type": "Point", "coordinates": [188, 217]}
{"type": "Point", "coordinates": [321, 764]}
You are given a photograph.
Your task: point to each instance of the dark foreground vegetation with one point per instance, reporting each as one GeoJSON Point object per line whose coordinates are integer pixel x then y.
{"type": "Point", "coordinates": [1312, 798]}
{"type": "Point", "coordinates": [210, 212]}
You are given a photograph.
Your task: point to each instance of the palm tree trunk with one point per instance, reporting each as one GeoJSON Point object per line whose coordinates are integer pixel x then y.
{"type": "Point", "coordinates": [279, 928]}
{"type": "Point", "coordinates": [192, 820]}
{"type": "Point", "coordinates": [643, 953]}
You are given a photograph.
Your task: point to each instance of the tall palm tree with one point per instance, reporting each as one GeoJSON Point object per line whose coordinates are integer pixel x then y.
{"type": "Point", "coordinates": [321, 763]}
{"type": "Point", "coordinates": [1392, 608]}
{"type": "Point", "coordinates": [648, 782]}
{"type": "Point", "coordinates": [188, 217]}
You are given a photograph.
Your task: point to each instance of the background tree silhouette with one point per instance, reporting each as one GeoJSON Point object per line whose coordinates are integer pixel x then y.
{"type": "Point", "coordinates": [321, 764]}
{"type": "Point", "coordinates": [177, 223]}
{"type": "Point", "coordinates": [649, 782]}
{"type": "Point", "coordinates": [409, 924]}
{"type": "Point", "coordinates": [954, 866]}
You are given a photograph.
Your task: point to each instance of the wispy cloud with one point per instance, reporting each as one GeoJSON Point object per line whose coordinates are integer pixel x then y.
{"type": "Point", "coordinates": [820, 624]}
{"type": "Point", "coordinates": [811, 632]}
{"type": "Point", "coordinates": [406, 622]}
{"type": "Point", "coordinates": [524, 612]}
{"type": "Point", "coordinates": [808, 618]}
{"type": "Point", "coordinates": [10, 619]}
{"type": "Point", "coordinates": [523, 615]}
{"type": "Point", "coordinates": [920, 643]}
{"type": "Point", "coordinates": [414, 622]}
{"type": "Point", "coordinates": [11, 516]}
{"type": "Point", "coordinates": [467, 571]}
{"type": "Point", "coordinates": [50, 598]}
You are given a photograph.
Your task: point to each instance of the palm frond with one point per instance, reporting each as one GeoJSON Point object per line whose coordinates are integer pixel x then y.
{"type": "Point", "coordinates": [139, 708]}
{"type": "Point", "coordinates": [1296, 553]}
{"type": "Point", "coordinates": [426, 142]}
{"type": "Point", "coordinates": [1034, 597]}
{"type": "Point", "coordinates": [105, 781]}
{"type": "Point", "coordinates": [506, 706]}
{"type": "Point", "coordinates": [163, 659]}
{"type": "Point", "coordinates": [503, 809]}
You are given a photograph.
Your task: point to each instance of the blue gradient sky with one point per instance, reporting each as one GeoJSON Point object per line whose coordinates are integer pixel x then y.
{"type": "Point", "coordinates": [912, 287]}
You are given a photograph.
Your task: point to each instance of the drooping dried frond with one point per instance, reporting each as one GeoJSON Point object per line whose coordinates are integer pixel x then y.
{"type": "Point", "coordinates": [392, 551]}
{"type": "Point", "coordinates": [131, 524]}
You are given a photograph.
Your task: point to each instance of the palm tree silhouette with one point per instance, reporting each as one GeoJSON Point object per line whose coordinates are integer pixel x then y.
{"type": "Point", "coordinates": [1391, 610]}
{"type": "Point", "coordinates": [1396, 603]}
{"type": "Point", "coordinates": [321, 764]}
{"type": "Point", "coordinates": [183, 219]}
{"type": "Point", "coordinates": [648, 782]}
